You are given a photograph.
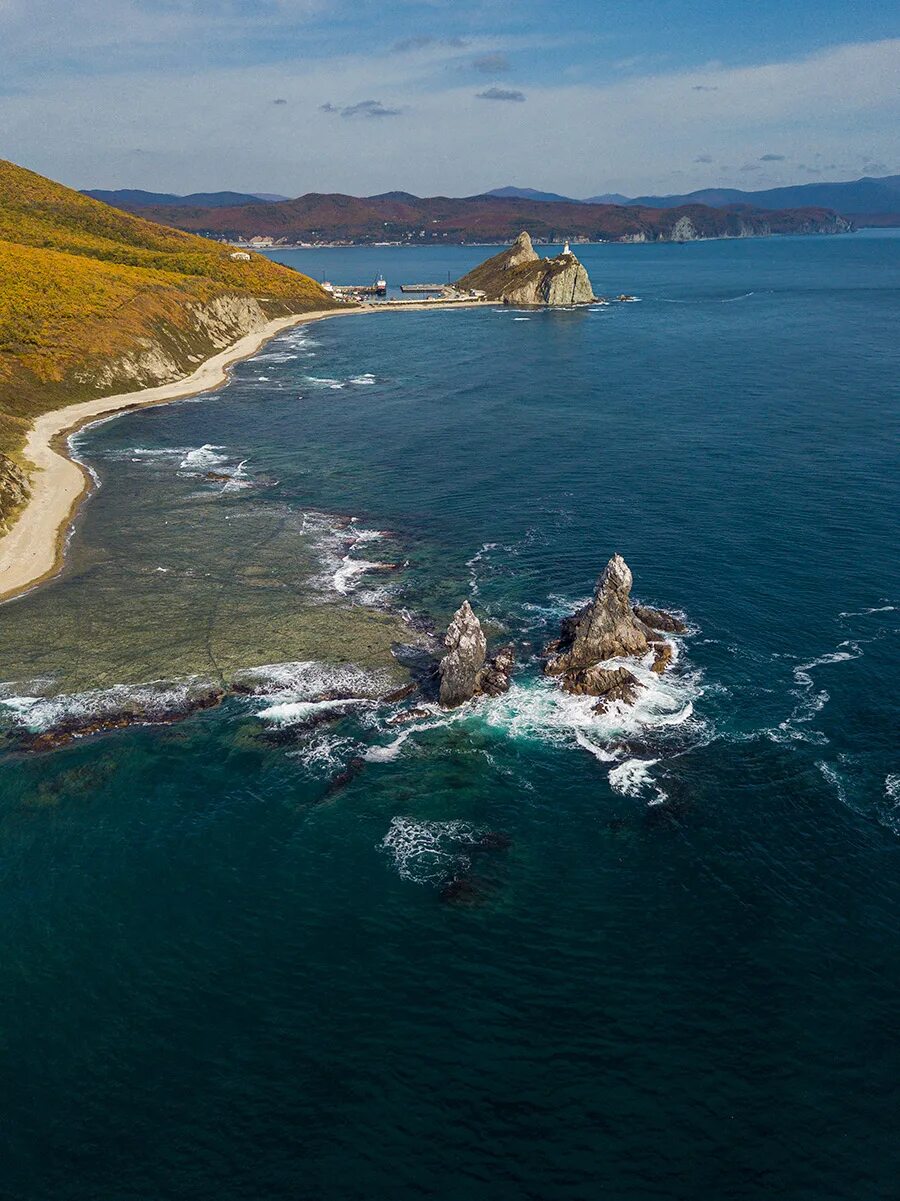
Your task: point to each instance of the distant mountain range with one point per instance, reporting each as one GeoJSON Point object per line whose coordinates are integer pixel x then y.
{"type": "Point", "coordinates": [857, 197]}
{"type": "Point", "coordinates": [869, 201]}
{"type": "Point", "coordinates": [134, 197]}
{"type": "Point", "coordinates": [399, 217]}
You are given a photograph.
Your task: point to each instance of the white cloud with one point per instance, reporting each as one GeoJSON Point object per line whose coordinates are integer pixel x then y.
{"type": "Point", "coordinates": [202, 129]}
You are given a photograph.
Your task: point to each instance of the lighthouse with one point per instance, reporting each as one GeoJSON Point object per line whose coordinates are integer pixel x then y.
{"type": "Point", "coordinates": [567, 248]}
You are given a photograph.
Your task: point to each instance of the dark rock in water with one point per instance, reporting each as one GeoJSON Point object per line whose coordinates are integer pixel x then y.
{"type": "Point", "coordinates": [492, 840]}
{"type": "Point", "coordinates": [217, 477]}
{"type": "Point", "coordinates": [343, 778]}
{"type": "Point", "coordinates": [663, 658]}
{"type": "Point", "coordinates": [133, 711]}
{"type": "Point", "coordinates": [408, 715]}
{"type": "Point", "coordinates": [608, 683]}
{"type": "Point", "coordinates": [461, 890]}
{"type": "Point", "coordinates": [605, 628]}
{"type": "Point", "coordinates": [658, 619]}
{"type": "Point", "coordinates": [494, 677]}
{"type": "Point", "coordinates": [400, 694]}
{"type": "Point", "coordinates": [621, 686]}
{"type": "Point", "coordinates": [460, 667]}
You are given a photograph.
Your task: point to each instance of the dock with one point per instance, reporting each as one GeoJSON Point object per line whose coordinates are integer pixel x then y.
{"type": "Point", "coordinates": [423, 287]}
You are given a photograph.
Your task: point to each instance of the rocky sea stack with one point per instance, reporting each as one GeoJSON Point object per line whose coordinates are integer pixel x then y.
{"type": "Point", "coordinates": [609, 627]}
{"type": "Point", "coordinates": [465, 670]}
{"type": "Point", "coordinates": [519, 275]}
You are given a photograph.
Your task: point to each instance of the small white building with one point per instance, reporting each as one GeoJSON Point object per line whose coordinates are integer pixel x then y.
{"type": "Point", "coordinates": [240, 256]}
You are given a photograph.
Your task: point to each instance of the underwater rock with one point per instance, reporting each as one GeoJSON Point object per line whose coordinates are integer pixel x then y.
{"type": "Point", "coordinates": [343, 778]}
{"type": "Point", "coordinates": [132, 711]}
{"type": "Point", "coordinates": [492, 840]}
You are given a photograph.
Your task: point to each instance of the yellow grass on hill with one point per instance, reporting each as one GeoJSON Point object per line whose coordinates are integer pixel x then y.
{"type": "Point", "coordinates": [95, 301]}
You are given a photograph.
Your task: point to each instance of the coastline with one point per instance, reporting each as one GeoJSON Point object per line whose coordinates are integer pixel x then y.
{"type": "Point", "coordinates": [33, 551]}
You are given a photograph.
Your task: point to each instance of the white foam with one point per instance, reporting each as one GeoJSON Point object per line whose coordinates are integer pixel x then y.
{"type": "Point", "coordinates": [320, 381]}
{"type": "Point", "coordinates": [427, 852]}
{"type": "Point", "coordinates": [867, 612]}
{"type": "Point", "coordinates": [810, 700]}
{"type": "Point", "coordinates": [307, 679]}
{"type": "Point", "coordinates": [203, 458]}
{"type": "Point", "coordinates": [389, 752]}
{"type": "Point", "coordinates": [290, 713]}
{"type": "Point", "coordinates": [362, 380]}
{"type": "Point", "coordinates": [632, 778]}
{"type": "Point", "coordinates": [36, 713]}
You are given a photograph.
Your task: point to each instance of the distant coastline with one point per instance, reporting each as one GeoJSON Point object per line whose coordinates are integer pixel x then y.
{"type": "Point", "coordinates": [33, 550]}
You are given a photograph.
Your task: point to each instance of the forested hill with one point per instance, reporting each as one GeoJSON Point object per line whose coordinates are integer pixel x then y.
{"type": "Point", "coordinates": [400, 217]}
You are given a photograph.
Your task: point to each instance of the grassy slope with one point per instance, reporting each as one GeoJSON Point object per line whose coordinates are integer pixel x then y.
{"type": "Point", "coordinates": [82, 284]}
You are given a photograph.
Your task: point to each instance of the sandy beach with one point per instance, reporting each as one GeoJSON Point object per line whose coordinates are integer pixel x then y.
{"type": "Point", "coordinates": [34, 549]}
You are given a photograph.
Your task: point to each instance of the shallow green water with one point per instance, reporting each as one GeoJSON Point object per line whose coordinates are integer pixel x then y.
{"type": "Point", "coordinates": [225, 976]}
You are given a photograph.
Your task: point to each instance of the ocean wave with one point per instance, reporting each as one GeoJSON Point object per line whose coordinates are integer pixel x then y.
{"type": "Point", "coordinates": [39, 713]}
{"type": "Point", "coordinates": [535, 709]}
{"type": "Point", "coordinates": [306, 680]}
{"type": "Point", "coordinates": [633, 779]}
{"type": "Point", "coordinates": [204, 458]}
{"type": "Point", "coordinates": [291, 713]}
{"type": "Point", "coordinates": [811, 699]}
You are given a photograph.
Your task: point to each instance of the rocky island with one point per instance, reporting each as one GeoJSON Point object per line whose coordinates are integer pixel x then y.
{"type": "Point", "coordinates": [518, 275]}
{"type": "Point", "coordinates": [609, 627]}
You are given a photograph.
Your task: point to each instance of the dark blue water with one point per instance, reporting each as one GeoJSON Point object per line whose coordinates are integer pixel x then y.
{"type": "Point", "coordinates": [225, 977]}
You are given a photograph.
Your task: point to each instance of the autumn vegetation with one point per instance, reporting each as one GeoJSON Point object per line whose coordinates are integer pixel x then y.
{"type": "Point", "coordinates": [83, 284]}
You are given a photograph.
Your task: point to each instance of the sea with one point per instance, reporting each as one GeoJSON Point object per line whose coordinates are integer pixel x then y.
{"type": "Point", "coordinates": [293, 948]}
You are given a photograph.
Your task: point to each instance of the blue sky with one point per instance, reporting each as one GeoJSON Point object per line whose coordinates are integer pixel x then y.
{"type": "Point", "coordinates": [449, 96]}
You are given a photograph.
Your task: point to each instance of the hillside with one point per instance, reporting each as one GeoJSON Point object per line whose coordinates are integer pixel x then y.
{"type": "Point", "coordinates": [399, 217]}
{"type": "Point", "coordinates": [95, 301]}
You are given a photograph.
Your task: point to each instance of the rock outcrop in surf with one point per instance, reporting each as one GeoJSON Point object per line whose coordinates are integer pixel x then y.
{"type": "Point", "coordinates": [609, 627]}
{"type": "Point", "coordinates": [520, 276]}
{"type": "Point", "coordinates": [465, 670]}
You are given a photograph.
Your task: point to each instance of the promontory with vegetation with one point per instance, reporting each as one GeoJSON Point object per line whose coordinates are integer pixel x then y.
{"type": "Point", "coordinates": [519, 275]}
{"type": "Point", "coordinates": [95, 301]}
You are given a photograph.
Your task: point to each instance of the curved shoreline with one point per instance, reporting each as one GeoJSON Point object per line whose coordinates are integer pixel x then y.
{"type": "Point", "coordinates": [33, 551]}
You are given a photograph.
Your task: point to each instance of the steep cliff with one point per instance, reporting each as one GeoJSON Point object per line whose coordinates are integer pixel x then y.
{"type": "Point", "coordinates": [13, 491]}
{"type": "Point", "coordinates": [520, 276]}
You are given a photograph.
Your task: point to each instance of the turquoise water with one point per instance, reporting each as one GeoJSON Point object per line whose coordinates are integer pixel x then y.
{"type": "Point", "coordinates": [226, 975]}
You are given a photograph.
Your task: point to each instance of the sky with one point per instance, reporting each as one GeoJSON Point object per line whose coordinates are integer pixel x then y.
{"type": "Point", "coordinates": [450, 97]}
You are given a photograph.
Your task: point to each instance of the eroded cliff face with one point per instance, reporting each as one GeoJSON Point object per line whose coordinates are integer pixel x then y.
{"type": "Point", "coordinates": [520, 276]}
{"type": "Point", "coordinates": [14, 491]}
{"type": "Point", "coordinates": [174, 353]}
